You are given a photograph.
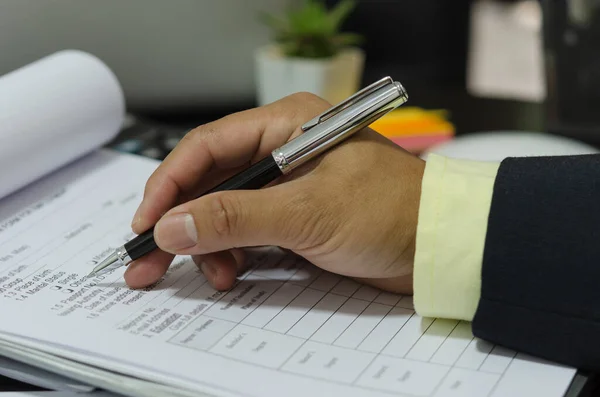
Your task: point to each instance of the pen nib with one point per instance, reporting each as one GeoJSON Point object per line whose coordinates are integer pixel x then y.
{"type": "Point", "coordinates": [104, 264]}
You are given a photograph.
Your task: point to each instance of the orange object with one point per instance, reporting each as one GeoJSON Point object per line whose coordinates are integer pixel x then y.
{"type": "Point", "coordinates": [415, 129]}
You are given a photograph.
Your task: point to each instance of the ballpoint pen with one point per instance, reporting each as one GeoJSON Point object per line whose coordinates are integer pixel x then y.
{"type": "Point", "coordinates": [319, 135]}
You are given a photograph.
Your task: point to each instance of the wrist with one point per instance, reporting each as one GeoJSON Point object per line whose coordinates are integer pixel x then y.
{"type": "Point", "coordinates": [410, 219]}
{"type": "Point", "coordinates": [408, 185]}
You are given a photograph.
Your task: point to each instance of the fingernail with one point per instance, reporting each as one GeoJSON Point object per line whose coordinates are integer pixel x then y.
{"type": "Point", "coordinates": [209, 271]}
{"type": "Point", "coordinates": [176, 232]}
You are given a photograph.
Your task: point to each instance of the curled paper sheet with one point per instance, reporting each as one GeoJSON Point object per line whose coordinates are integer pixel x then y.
{"type": "Point", "coordinates": [54, 111]}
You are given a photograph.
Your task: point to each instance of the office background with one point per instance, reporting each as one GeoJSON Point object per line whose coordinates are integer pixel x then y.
{"type": "Point", "coordinates": [187, 61]}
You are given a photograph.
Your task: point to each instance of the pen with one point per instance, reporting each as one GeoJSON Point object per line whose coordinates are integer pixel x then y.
{"type": "Point", "coordinates": [319, 134]}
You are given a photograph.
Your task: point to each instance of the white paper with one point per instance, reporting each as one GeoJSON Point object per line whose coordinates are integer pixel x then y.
{"type": "Point", "coordinates": [106, 380]}
{"type": "Point", "coordinates": [287, 328]}
{"type": "Point", "coordinates": [52, 111]}
{"type": "Point", "coordinates": [36, 376]}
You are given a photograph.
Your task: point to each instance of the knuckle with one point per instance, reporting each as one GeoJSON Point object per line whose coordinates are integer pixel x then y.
{"type": "Point", "coordinates": [310, 99]}
{"type": "Point", "coordinates": [296, 104]}
{"type": "Point", "coordinates": [304, 96]}
{"type": "Point", "coordinates": [200, 135]}
{"type": "Point", "coordinates": [190, 136]}
{"type": "Point", "coordinates": [283, 110]}
{"type": "Point", "coordinates": [225, 214]}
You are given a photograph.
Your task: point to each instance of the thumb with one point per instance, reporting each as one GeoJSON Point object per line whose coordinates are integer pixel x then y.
{"type": "Point", "coordinates": [277, 215]}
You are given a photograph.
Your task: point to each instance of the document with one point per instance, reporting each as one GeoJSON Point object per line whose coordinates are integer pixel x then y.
{"type": "Point", "coordinates": [286, 328]}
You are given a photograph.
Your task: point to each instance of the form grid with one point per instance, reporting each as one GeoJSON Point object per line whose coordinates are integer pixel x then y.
{"type": "Point", "coordinates": [334, 329]}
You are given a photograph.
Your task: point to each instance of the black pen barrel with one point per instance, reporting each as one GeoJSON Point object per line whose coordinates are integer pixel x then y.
{"type": "Point", "coordinates": [141, 245]}
{"type": "Point", "coordinates": [254, 177]}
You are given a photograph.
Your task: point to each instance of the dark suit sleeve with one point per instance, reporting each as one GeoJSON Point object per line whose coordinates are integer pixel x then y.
{"type": "Point", "coordinates": [540, 291]}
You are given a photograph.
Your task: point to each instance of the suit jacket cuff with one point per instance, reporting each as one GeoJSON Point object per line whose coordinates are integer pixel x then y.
{"type": "Point", "coordinates": [453, 215]}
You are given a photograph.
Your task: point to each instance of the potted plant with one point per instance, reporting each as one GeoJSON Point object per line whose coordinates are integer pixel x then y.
{"type": "Point", "coordinates": [310, 53]}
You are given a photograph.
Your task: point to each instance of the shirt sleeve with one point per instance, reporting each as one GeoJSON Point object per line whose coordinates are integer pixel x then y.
{"type": "Point", "coordinates": [453, 215]}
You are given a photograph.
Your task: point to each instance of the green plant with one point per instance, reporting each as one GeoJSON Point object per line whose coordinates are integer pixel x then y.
{"type": "Point", "coordinates": [312, 31]}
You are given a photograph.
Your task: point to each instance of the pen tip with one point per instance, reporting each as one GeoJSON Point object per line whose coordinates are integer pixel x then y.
{"type": "Point", "coordinates": [103, 265]}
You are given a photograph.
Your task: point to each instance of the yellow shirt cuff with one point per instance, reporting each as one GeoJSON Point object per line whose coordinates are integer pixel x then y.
{"type": "Point", "coordinates": [453, 215]}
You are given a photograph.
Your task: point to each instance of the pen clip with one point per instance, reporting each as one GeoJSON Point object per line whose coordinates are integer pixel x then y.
{"type": "Point", "coordinates": [347, 103]}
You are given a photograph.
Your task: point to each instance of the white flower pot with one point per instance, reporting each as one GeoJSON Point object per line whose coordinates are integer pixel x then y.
{"type": "Point", "coordinates": [333, 79]}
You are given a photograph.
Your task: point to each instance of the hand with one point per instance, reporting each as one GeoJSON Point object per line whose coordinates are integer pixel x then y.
{"type": "Point", "coordinates": [353, 211]}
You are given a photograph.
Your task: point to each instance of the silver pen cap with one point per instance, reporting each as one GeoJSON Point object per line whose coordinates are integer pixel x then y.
{"type": "Point", "coordinates": [340, 122]}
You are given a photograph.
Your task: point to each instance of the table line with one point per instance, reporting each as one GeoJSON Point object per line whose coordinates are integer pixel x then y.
{"type": "Point", "coordinates": [502, 374]}
{"type": "Point", "coordinates": [285, 333]}
{"type": "Point", "coordinates": [238, 282]}
{"type": "Point", "coordinates": [378, 322]}
{"type": "Point", "coordinates": [349, 325]}
{"type": "Point", "coordinates": [444, 341]}
{"type": "Point", "coordinates": [376, 354]}
{"type": "Point", "coordinates": [196, 289]}
{"type": "Point", "coordinates": [312, 307]}
{"type": "Point", "coordinates": [419, 338]}
{"type": "Point", "coordinates": [318, 328]}
{"type": "Point", "coordinates": [166, 289]}
{"type": "Point", "coordinates": [283, 308]}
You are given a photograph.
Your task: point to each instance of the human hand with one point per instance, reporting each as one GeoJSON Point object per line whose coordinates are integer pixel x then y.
{"type": "Point", "coordinates": [353, 211]}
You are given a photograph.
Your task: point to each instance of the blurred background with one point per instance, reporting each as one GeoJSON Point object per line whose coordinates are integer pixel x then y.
{"type": "Point", "coordinates": [469, 66]}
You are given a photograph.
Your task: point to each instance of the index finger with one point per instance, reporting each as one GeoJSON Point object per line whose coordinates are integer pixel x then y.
{"type": "Point", "coordinates": [230, 142]}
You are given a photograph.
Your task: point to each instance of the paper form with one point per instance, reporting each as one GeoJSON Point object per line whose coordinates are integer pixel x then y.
{"type": "Point", "coordinates": [286, 327]}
